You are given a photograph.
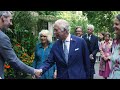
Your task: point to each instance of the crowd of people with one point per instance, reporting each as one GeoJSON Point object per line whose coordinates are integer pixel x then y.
{"type": "Point", "coordinates": [70, 56]}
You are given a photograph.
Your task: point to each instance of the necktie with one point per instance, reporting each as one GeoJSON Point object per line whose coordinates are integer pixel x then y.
{"type": "Point", "coordinates": [89, 37]}
{"type": "Point", "coordinates": [66, 52]}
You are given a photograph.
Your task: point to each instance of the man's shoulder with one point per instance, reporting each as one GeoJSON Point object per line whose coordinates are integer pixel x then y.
{"type": "Point", "coordinates": [73, 36]}
{"type": "Point", "coordinates": [3, 38]}
{"type": "Point", "coordinates": [95, 36]}
{"type": "Point", "coordinates": [2, 35]}
{"type": "Point", "coordinates": [84, 36]}
{"type": "Point", "coordinates": [57, 42]}
{"type": "Point", "coordinates": [76, 38]}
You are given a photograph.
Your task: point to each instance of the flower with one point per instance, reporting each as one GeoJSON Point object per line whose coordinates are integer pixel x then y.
{"type": "Point", "coordinates": [24, 54]}
{"type": "Point", "coordinates": [6, 66]}
{"type": "Point", "coordinates": [18, 45]}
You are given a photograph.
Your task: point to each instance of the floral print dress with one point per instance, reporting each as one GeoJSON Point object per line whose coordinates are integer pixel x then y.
{"type": "Point", "coordinates": [115, 60]}
{"type": "Point", "coordinates": [105, 50]}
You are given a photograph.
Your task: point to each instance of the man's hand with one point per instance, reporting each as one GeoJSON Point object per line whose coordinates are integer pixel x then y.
{"type": "Point", "coordinates": [91, 57]}
{"type": "Point", "coordinates": [38, 73]}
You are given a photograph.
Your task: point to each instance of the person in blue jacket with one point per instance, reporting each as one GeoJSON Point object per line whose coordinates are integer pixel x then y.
{"type": "Point", "coordinates": [41, 54]}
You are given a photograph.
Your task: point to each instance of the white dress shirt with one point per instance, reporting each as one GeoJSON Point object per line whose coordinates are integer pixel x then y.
{"type": "Point", "coordinates": [89, 37]}
{"type": "Point", "coordinates": [67, 42]}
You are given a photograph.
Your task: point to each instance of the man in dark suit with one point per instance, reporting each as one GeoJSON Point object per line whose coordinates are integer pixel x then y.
{"type": "Point", "coordinates": [6, 51]}
{"type": "Point", "coordinates": [92, 43]}
{"type": "Point", "coordinates": [69, 52]}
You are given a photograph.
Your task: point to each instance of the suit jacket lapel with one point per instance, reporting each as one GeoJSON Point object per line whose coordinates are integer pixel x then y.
{"type": "Point", "coordinates": [60, 49]}
{"type": "Point", "coordinates": [72, 49]}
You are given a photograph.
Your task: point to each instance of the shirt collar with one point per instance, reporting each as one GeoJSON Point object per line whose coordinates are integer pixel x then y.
{"type": "Point", "coordinates": [89, 35]}
{"type": "Point", "coordinates": [68, 38]}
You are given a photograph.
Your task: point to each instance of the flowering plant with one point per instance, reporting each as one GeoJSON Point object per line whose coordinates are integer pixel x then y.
{"type": "Point", "coordinates": [11, 73]}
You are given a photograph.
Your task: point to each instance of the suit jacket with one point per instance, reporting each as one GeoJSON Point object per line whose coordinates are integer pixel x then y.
{"type": "Point", "coordinates": [92, 44]}
{"type": "Point", "coordinates": [8, 54]}
{"type": "Point", "coordinates": [78, 66]}
{"type": "Point", "coordinates": [93, 49]}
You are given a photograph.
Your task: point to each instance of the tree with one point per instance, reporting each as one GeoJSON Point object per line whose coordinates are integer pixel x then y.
{"type": "Point", "coordinates": [54, 13]}
{"type": "Point", "coordinates": [102, 20]}
{"type": "Point", "coordinates": [75, 19]}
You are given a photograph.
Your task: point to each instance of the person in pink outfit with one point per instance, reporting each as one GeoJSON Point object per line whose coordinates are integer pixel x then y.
{"type": "Point", "coordinates": [105, 51]}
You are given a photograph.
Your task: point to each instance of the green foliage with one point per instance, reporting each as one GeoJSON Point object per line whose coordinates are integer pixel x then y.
{"type": "Point", "coordinates": [47, 17]}
{"type": "Point", "coordinates": [102, 20]}
{"type": "Point", "coordinates": [115, 13]}
{"type": "Point", "coordinates": [24, 19]}
{"type": "Point", "coordinates": [25, 23]}
{"type": "Point", "coordinates": [24, 51]}
{"type": "Point", "coordinates": [23, 41]}
{"type": "Point", "coordinates": [53, 13]}
{"type": "Point", "coordinates": [74, 19]}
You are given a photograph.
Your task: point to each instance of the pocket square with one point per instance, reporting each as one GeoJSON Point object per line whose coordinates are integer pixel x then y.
{"type": "Point", "coordinates": [76, 49]}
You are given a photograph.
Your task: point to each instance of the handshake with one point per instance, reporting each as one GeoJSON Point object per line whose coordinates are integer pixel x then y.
{"type": "Point", "coordinates": [37, 73]}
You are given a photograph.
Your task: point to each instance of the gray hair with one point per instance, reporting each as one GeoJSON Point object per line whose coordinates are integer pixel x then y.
{"type": "Point", "coordinates": [90, 26]}
{"type": "Point", "coordinates": [5, 13]}
{"type": "Point", "coordinates": [46, 33]}
{"type": "Point", "coordinates": [63, 24]}
{"type": "Point", "coordinates": [118, 17]}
